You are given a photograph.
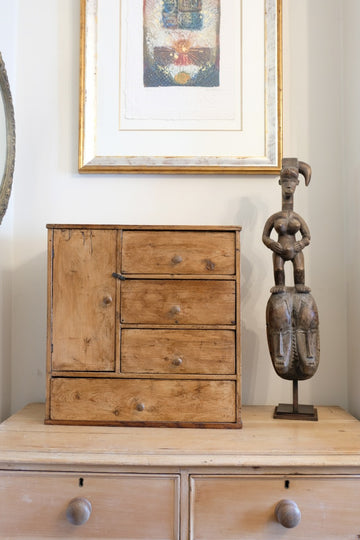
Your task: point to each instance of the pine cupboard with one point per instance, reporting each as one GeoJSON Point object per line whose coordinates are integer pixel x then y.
{"type": "Point", "coordinates": [144, 326]}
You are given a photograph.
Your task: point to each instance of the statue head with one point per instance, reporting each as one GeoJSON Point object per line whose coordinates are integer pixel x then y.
{"type": "Point", "coordinates": [289, 175]}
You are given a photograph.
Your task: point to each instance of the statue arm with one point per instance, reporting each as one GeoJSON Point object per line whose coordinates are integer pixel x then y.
{"type": "Point", "coordinates": [305, 236]}
{"type": "Point", "coordinates": [269, 242]}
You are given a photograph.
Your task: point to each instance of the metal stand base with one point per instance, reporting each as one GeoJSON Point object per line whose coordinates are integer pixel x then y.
{"type": "Point", "coordinates": [304, 412]}
{"type": "Point", "coordinates": [294, 411]}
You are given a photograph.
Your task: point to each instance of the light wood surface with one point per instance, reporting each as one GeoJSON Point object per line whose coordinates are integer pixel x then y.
{"type": "Point", "coordinates": [227, 507]}
{"type": "Point", "coordinates": [187, 484]}
{"type": "Point", "coordinates": [334, 441]}
{"type": "Point", "coordinates": [122, 506]}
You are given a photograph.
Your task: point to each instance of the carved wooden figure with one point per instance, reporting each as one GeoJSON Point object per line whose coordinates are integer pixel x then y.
{"type": "Point", "coordinates": [292, 319]}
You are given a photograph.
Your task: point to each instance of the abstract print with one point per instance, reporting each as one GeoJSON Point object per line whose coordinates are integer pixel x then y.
{"type": "Point", "coordinates": [181, 43]}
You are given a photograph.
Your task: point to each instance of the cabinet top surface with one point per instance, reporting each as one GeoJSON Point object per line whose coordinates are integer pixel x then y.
{"type": "Point", "coordinates": [148, 227]}
{"type": "Point", "coordinates": [263, 442]}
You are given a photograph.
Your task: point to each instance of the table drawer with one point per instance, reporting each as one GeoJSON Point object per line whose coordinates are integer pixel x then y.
{"type": "Point", "coordinates": [34, 506]}
{"type": "Point", "coordinates": [230, 507]}
{"type": "Point", "coordinates": [178, 351]}
{"type": "Point", "coordinates": [139, 400]}
{"type": "Point", "coordinates": [178, 302]}
{"type": "Point", "coordinates": [178, 252]}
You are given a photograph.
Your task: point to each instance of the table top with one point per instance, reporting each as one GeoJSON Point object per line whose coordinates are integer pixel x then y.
{"type": "Point", "coordinates": [333, 441]}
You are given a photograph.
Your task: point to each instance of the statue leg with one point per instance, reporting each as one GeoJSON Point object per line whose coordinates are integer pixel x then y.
{"type": "Point", "coordinates": [299, 273]}
{"type": "Point", "coordinates": [279, 274]}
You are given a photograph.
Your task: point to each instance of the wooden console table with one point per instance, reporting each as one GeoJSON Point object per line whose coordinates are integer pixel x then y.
{"type": "Point", "coordinates": [166, 484]}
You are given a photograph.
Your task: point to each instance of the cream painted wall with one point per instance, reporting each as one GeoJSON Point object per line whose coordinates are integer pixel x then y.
{"type": "Point", "coordinates": [8, 34]}
{"type": "Point", "coordinates": [48, 189]}
{"type": "Point", "coordinates": [351, 171]}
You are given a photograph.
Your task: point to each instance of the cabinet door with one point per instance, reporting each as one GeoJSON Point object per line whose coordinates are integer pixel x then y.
{"type": "Point", "coordinates": [83, 294]}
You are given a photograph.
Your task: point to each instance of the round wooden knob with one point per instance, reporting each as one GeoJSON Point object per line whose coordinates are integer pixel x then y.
{"type": "Point", "coordinates": [107, 300]}
{"type": "Point", "coordinates": [177, 259]}
{"type": "Point", "coordinates": [177, 361]}
{"type": "Point", "coordinates": [78, 511]}
{"type": "Point", "coordinates": [140, 407]}
{"type": "Point", "coordinates": [175, 310]}
{"type": "Point", "coordinates": [287, 513]}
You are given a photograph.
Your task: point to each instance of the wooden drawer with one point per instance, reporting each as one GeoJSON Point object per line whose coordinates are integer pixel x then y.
{"type": "Point", "coordinates": [34, 505]}
{"type": "Point", "coordinates": [230, 507]}
{"type": "Point", "coordinates": [178, 351]}
{"type": "Point", "coordinates": [140, 400]}
{"type": "Point", "coordinates": [178, 302]}
{"type": "Point", "coordinates": [178, 252]}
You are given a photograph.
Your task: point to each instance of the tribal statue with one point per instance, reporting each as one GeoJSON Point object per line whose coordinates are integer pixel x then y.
{"type": "Point", "coordinates": [292, 318]}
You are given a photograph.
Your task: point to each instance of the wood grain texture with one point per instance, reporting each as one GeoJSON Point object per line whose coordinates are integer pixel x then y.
{"type": "Point", "coordinates": [145, 507]}
{"type": "Point", "coordinates": [226, 507]}
{"type": "Point", "coordinates": [83, 300]}
{"type": "Point", "coordinates": [119, 400]}
{"type": "Point", "coordinates": [224, 484]}
{"type": "Point", "coordinates": [178, 351]}
{"type": "Point", "coordinates": [178, 302]}
{"type": "Point", "coordinates": [180, 252]}
{"type": "Point", "coordinates": [331, 444]}
{"type": "Point", "coordinates": [153, 302]}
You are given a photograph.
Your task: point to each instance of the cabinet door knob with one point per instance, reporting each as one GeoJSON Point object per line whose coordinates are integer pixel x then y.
{"type": "Point", "coordinates": [177, 259]}
{"type": "Point", "coordinates": [175, 309]}
{"type": "Point", "coordinates": [107, 300]}
{"type": "Point", "coordinates": [287, 513]}
{"type": "Point", "coordinates": [78, 511]}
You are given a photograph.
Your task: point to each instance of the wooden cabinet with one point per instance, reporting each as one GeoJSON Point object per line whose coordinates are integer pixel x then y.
{"type": "Point", "coordinates": [144, 326]}
{"type": "Point", "coordinates": [126, 483]}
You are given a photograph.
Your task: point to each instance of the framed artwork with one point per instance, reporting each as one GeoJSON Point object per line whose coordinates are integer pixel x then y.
{"type": "Point", "coordinates": [180, 86]}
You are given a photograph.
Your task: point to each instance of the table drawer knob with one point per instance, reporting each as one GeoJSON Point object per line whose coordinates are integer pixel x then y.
{"type": "Point", "coordinates": [287, 513]}
{"type": "Point", "coordinates": [175, 310]}
{"type": "Point", "coordinates": [78, 511]}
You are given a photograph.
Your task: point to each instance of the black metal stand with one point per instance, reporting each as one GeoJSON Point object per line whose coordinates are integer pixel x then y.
{"type": "Point", "coordinates": [294, 411]}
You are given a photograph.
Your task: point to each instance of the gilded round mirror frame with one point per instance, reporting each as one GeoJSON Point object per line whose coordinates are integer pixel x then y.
{"type": "Point", "coordinates": [7, 179]}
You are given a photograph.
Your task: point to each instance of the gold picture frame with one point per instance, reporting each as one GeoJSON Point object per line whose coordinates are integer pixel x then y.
{"type": "Point", "coordinates": [127, 128]}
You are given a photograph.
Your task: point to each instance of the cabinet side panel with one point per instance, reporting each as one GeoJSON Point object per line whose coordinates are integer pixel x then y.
{"type": "Point", "coordinates": [48, 323]}
{"type": "Point", "coordinates": [83, 300]}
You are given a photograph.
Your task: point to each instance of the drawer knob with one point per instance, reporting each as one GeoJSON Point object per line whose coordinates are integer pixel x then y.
{"type": "Point", "coordinates": [175, 309]}
{"type": "Point", "coordinates": [107, 300]}
{"type": "Point", "coordinates": [177, 259]}
{"type": "Point", "coordinates": [140, 407]}
{"type": "Point", "coordinates": [287, 513]}
{"type": "Point", "coordinates": [177, 361]}
{"type": "Point", "coordinates": [78, 511]}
